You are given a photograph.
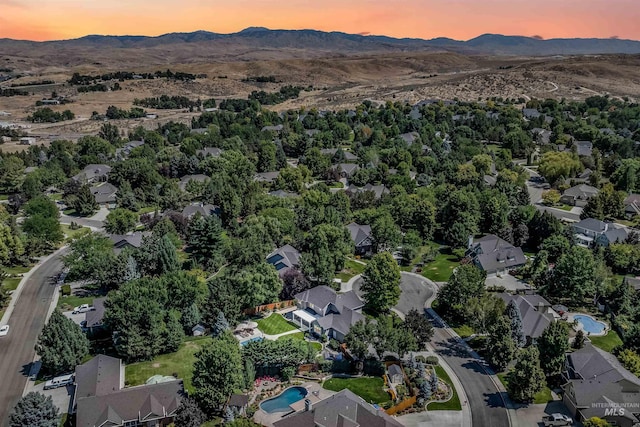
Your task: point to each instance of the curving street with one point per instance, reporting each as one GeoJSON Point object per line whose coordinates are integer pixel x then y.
{"type": "Point", "coordinates": [26, 321]}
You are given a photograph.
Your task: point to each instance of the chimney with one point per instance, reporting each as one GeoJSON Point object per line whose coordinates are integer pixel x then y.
{"type": "Point", "coordinates": [308, 406]}
{"type": "Point", "coordinates": [470, 242]}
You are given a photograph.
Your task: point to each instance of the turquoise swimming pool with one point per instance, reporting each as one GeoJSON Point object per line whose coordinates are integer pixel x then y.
{"type": "Point", "coordinates": [589, 324]}
{"type": "Point", "coordinates": [281, 402]}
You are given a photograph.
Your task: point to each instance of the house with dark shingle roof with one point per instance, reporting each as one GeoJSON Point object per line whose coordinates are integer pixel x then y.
{"type": "Point", "coordinates": [93, 173]}
{"type": "Point", "coordinates": [276, 128]}
{"type": "Point", "coordinates": [323, 311]}
{"type": "Point", "coordinates": [583, 148]}
{"type": "Point", "coordinates": [210, 151]}
{"type": "Point", "coordinates": [284, 258]}
{"type": "Point", "coordinates": [361, 237]}
{"type": "Point", "coordinates": [124, 152]}
{"type": "Point", "coordinates": [131, 240]}
{"type": "Point", "coordinates": [377, 190]}
{"type": "Point", "coordinates": [591, 231]}
{"type": "Point", "coordinates": [596, 383]}
{"type": "Point", "coordinates": [346, 170]}
{"type": "Point", "coordinates": [184, 181]}
{"type": "Point", "coordinates": [102, 400]}
{"type": "Point", "coordinates": [632, 205]}
{"type": "Point", "coordinates": [93, 320]}
{"type": "Point", "coordinates": [343, 409]}
{"type": "Point", "coordinates": [537, 313]}
{"type": "Point", "coordinates": [578, 195]}
{"type": "Point", "coordinates": [495, 256]}
{"type": "Point", "coordinates": [268, 177]}
{"type": "Point", "coordinates": [203, 209]}
{"type": "Point", "coordinates": [105, 194]}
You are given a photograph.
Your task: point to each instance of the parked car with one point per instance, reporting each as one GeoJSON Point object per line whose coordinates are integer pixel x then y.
{"type": "Point", "coordinates": [557, 420]}
{"type": "Point", "coordinates": [4, 330]}
{"type": "Point", "coordinates": [82, 308]}
{"type": "Point", "coordinates": [60, 381]}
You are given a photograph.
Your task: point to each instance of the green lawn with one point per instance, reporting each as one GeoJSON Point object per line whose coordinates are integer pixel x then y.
{"type": "Point", "coordinates": [17, 269]}
{"type": "Point", "coordinates": [4, 197]}
{"type": "Point", "coordinates": [179, 363]}
{"type": "Point", "coordinates": [275, 324]}
{"type": "Point", "coordinates": [543, 396]}
{"type": "Point", "coordinates": [11, 284]}
{"type": "Point", "coordinates": [464, 331]}
{"type": "Point", "coordinates": [55, 196]}
{"type": "Point", "coordinates": [351, 269]}
{"type": "Point", "coordinates": [452, 404]}
{"type": "Point", "coordinates": [69, 302]}
{"type": "Point", "coordinates": [370, 389]}
{"type": "Point", "coordinates": [72, 234]}
{"type": "Point", "coordinates": [607, 342]}
{"type": "Point", "coordinates": [69, 212]}
{"type": "Point", "coordinates": [147, 210]}
{"type": "Point", "coordinates": [296, 336]}
{"type": "Point", "coordinates": [440, 269]}
{"type": "Point", "coordinates": [565, 207]}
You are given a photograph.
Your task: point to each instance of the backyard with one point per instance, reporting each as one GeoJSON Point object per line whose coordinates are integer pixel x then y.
{"type": "Point", "coordinates": [300, 336]}
{"type": "Point", "coordinates": [351, 268]}
{"type": "Point", "coordinates": [275, 324]}
{"type": "Point", "coordinates": [440, 269]}
{"type": "Point", "coordinates": [179, 363]}
{"type": "Point", "coordinates": [452, 404]}
{"type": "Point", "coordinates": [607, 342]}
{"type": "Point", "coordinates": [369, 388]}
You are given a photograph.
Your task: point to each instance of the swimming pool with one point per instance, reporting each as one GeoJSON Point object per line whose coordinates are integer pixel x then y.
{"type": "Point", "coordinates": [589, 324]}
{"type": "Point", "coordinates": [243, 343]}
{"type": "Point", "coordinates": [281, 402]}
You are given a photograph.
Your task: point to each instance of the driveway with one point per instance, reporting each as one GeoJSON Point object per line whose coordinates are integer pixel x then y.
{"type": "Point", "coordinates": [61, 396]}
{"type": "Point", "coordinates": [27, 319]}
{"type": "Point", "coordinates": [535, 187]}
{"type": "Point", "coordinates": [509, 282]}
{"type": "Point", "coordinates": [77, 318]}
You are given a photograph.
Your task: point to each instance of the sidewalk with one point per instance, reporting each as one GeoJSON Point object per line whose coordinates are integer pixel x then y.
{"type": "Point", "coordinates": [25, 277]}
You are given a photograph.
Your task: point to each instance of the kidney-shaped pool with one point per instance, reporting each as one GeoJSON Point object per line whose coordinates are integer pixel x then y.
{"type": "Point", "coordinates": [281, 402]}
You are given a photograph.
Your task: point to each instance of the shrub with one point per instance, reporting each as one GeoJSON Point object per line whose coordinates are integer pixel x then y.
{"type": "Point", "coordinates": [432, 360]}
{"type": "Point", "coordinates": [66, 290]}
{"type": "Point", "coordinates": [420, 359]}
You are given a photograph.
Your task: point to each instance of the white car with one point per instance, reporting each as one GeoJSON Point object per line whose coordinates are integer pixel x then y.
{"type": "Point", "coordinates": [4, 330]}
{"type": "Point", "coordinates": [557, 420]}
{"type": "Point", "coordinates": [82, 309]}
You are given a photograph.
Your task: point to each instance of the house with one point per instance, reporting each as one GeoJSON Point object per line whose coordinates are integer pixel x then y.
{"type": "Point", "coordinates": [124, 152]}
{"type": "Point", "coordinates": [210, 151]}
{"type": "Point", "coordinates": [284, 258]}
{"type": "Point", "coordinates": [94, 319]}
{"type": "Point", "coordinates": [27, 141]}
{"type": "Point", "coordinates": [597, 384]}
{"type": "Point", "coordinates": [198, 330]}
{"type": "Point", "coordinates": [132, 240]}
{"type": "Point", "coordinates": [282, 194]}
{"type": "Point", "coordinates": [268, 177]}
{"type": "Point", "coordinates": [541, 136]}
{"type": "Point", "coordinates": [590, 232]}
{"type": "Point", "coordinates": [583, 148]}
{"type": "Point", "coordinates": [346, 170]}
{"type": "Point", "coordinates": [184, 181]}
{"type": "Point", "coordinates": [203, 209]}
{"type": "Point", "coordinates": [93, 173]}
{"type": "Point", "coordinates": [530, 113]}
{"type": "Point", "coordinates": [324, 312]}
{"type": "Point", "coordinates": [578, 195]}
{"type": "Point", "coordinates": [239, 403]}
{"type": "Point", "coordinates": [361, 237]}
{"type": "Point", "coordinates": [632, 206]}
{"type": "Point", "coordinates": [494, 255]}
{"type": "Point", "coordinates": [102, 400]}
{"type": "Point", "coordinates": [343, 409]}
{"type": "Point", "coordinates": [105, 195]}
{"type": "Point", "coordinates": [410, 137]}
{"type": "Point", "coordinates": [377, 190]}
{"type": "Point", "coordinates": [276, 128]}
{"type": "Point", "coordinates": [537, 313]}
{"type": "Point", "coordinates": [395, 374]}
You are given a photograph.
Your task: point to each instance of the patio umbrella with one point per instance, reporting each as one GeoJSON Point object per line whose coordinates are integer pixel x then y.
{"type": "Point", "coordinates": [252, 325]}
{"type": "Point", "coordinates": [241, 326]}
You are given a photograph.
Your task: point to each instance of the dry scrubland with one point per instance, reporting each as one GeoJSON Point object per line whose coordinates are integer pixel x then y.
{"type": "Point", "coordinates": [338, 82]}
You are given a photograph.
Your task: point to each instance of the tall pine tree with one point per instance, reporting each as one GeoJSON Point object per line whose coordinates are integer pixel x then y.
{"type": "Point", "coordinates": [61, 345]}
{"type": "Point", "coordinates": [514, 315]}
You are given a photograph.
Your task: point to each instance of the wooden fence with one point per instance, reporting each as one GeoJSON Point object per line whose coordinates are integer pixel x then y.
{"type": "Point", "coordinates": [402, 405]}
{"type": "Point", "coordinates": [269, 307]}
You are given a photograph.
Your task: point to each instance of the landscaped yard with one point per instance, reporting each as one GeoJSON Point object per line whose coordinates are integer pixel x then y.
{"type": "Point", "coordinates": [607, 342]}
{"type": "Point", "coordinates": [11, 284]}
{"type": "Point", "coordinates": [179, 363]}
{"type": "Point", "coordinates": [541, 397]}
{"type": "Point", "coordinates": [440, 269]}
{"type": "Point", "coordinates": [369, 388]}
{"type": "Point", "coordinates": [69, 302]}
{"type": "Point", "coordinates": [295, 336]}
{"type": "Point", "coordinates": [452, 404]}
{"type": "Point", "coordinates": [275, 324]}
{"type": "Point", "coordinates": [72, 234]}
{"type": "Point", "coordinates": [464, 331]}
{"type": "Point", "coordinates": [351, 268]}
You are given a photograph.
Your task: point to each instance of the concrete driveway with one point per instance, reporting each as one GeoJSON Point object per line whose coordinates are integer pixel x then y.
{"type": "Point", "coordinates": [509, 282]}
{"type": "Point", "coordinates": [62, 396]}
{"type": "Point", "coordinates": [432, 418]}
{"type": "Point", "coordinates": [77, 318]}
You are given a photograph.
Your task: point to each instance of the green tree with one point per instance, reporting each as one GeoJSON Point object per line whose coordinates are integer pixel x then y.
{"type": "Point", "coordinates": [61, 345]}
{"type": "Point", "coordinates": [11, 174]}
{"type": "Point", "coordinates": [217, 373]}
{"type": "Point", "coordinates": [551, 197]}
{"type": "Point", "coordinates": [34, 410]}
{"type": "Point", "coordinates": [627, 176]}
{"type": "Point", "coordinates": [255, 285]}
{"type": "Point", "coordinates": [630, 360]}
{"type": "Point", "coordinates": [484, 311]}
{"type": "Point", "coordinates": [205, 241]}
{"type": "Point", "coordinates": [526, 378]}
{"type": "Point", "coordinates": [595, 422]}
{"type": "Point", "coordinates": [578, 340]}
{"type": "Point", "coordinates": [324, 250]}
{"type": "Point", "coordinates": [500, 346]}
{"type": "Point", "coordinates": [189, 414]}
{"type": "Point", "coordinates": [381, 283]}
{"type": "Point", "coordinates": [515, 317]}
{"type": "Point", "coordinates": [574, 275]}
{"type": "Point", "coordinates": [120, 221]}
{"type": "Point", "coordinates": [553, 344]}
{"type": "Point", "coordinates": [83, 202]}
{"type": "Point", "coordinates": [385, 232]}
{"type": "Point", "coordinates": [465, 284]}
{"type": "Point", "coordinates": [157, 255]}
{"type": "Point", "coordinates": [555, 165]}
{"type": "Point", "coordinates": [419, 326]}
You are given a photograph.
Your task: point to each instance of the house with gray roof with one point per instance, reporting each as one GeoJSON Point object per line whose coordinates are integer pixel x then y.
{"type": "Point", "coordinates": [93, 173]}
{"type": "Point", "coordinates": [578, 195]}
{"type": "Point", "coordinates": [268, 177]}
{"type": "Point", "coordinates": [210, 151]}
{"type": "Point", "coordinates": [530, 113]}
{"type": "Point", "coordinates": [591, 231]}
{"type": "Point", "coordinates": [203, 209]}
{"type": "Point", "coordinates": [283, 194]}
{"type": "Point", "coordinates": [184, 181]}
{"type": "Point", "coordinates": [596, 384]}
{"type": "Point", "coordinates": [583, 148]}
{"type": "Point", "coordinates": [284, 258]}
{"type": "Point", "coordinates": [494, 255]}
{"type": "Point", "coordinates": [632, 206]}
{"type": "Point", "coordinates": [124, 152]}
{"type": "Point", "coordinates": [362, 238]}
{"type": "Point", "coordinates": [537, 313]}
{"type": "Point", "coordinates": [346, 170]}
{"type": "Point", "coordinates": [410, 137]}
{"type": "Point", "coordinates": [276, 128]}
{"type": "Point", "coordinates": [323, 311]}
{"type": "Point", "coordinates": [105, 194]}
{"type": "Point", "coordinates": [377, 190]}
{"type": "Point", "coordinates": [131, 240]}
{"type": "Point", "coordinates": [343, 409]}
{"type": "Point", "coordinates": [101, 398]}
{"type": "Point", "coordinates": [542, 136]}
{"type": "Point", "coordinates": [93, 320]}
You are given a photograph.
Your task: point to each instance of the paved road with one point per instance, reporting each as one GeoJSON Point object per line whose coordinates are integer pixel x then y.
{"type": "Point", "coordinates": [535, 189]}
{"type": "Point", "coordinates": [26, 322]}
{"type": "Point", "coordinates": [85, 222]}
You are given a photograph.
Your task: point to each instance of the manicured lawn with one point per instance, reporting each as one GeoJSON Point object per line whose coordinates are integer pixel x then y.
{"type": "Point", "coordinates": [607, 342]}
{"type": "Point", "coordinates": [11, 284]}
{"type": "Point", "coordinates": [440, 269]}
{"type": "Point", "coordinates": [69, 212]}
{"type": "Point", "coordinates": [72, 234]}
{"type": "Point", "coordinates": [464, 331]}
{"type": "Point", "coordinates": [565, 207]}
{"type": "Point", "coordinates": [275, 324]}
{"type": "Point", "coordinates": [69, 302]}
{"type": "Point", "coordinates": [452, 404]}
{"type": "Point", "coordinates": [296, 336]}
{"type": "Point", "coordinates": [351, 268]}
{"type": "Point", "coordinates": [17, 270]}
{"type": "Point", "coordinates": [316, 346]}
{"type": "Point", "coordinates": [55, 196]}
{"type": "Point", "coordinates": [147, 210]}
{"type": "Point", "coordinates": [370, 389]}
{"type": "Point", "coordinates": [179, 363]}
{"type": "Point", "coordinates": [541, 397]}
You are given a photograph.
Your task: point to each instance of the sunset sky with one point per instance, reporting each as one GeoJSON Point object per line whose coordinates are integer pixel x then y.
{"type": "Point", "coordinates": [459, 19]}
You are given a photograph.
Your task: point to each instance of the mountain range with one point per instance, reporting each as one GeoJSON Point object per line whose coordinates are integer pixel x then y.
{"type": "Point", "coordinates": [258, 42]}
